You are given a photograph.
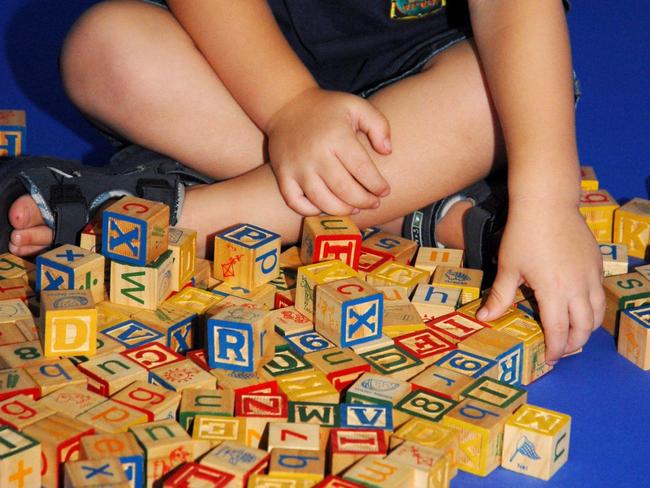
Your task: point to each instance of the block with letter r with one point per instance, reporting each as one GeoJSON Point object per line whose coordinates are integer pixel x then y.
{"type": "Point", "coordinates": [246, 256]}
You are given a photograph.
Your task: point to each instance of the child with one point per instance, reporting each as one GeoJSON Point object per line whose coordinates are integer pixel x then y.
{"type": "Point", "coordinates": [373, 108]}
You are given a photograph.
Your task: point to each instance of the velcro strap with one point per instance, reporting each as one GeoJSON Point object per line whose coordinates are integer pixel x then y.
{"type": "Point", "coordinates": [70, 212]}
{"type": "Point", "coordinates": [158, 190]}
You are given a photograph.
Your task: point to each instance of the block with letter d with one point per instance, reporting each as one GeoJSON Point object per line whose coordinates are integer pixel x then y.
{"type": "Point", "coordinates": [246, 256]}
{"type": "Point", "coordinates": [239, 339]}
{"type": "Point", "coordinates": [349, 312]}
{"type": "Point", "coordinates": [135, 231]}
{"type": "Point", "coordinates": [70, 267]}
{"type": "Point", "coordinates": [327, 237]}
{"type": "Point", "coordinates": [68, 323]}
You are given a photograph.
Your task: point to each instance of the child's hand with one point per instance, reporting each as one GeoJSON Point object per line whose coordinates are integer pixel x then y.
{"type": "Point", "coordinates": [553, 251]}
{"type": "Point", "coordinates": [318, 161]}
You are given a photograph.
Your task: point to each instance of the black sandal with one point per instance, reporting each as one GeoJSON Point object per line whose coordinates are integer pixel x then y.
{"type": "Point", "coordinates": [69, 193]}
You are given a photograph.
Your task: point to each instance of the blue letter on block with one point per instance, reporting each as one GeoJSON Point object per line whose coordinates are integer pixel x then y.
{"type": "Point", "coordinates": [365, 312]}
{"type": "Point", "coordinates": [132, 333]}
{"type": "Point", "coordinates": [248, 236]}
{"type": "Point", "coordinates": [356, 416]}
{"type": "Point", "coordinates": [230, 346]}
{"type": "Point", "coordinates": [51, 275]}
{"type": "Point", "coordinates": [124, 239]}
{"type": "Point", "coordinates": [511, 365]}
{"type": "Point", "coordinates": [309, 341]}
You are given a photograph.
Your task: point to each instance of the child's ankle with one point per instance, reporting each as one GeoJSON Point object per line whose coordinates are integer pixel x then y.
{"type": "Point", "coordinates": [449, 229]}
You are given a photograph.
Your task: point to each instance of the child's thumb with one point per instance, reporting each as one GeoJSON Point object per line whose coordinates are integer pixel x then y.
{"type": "Point", "coordinates": [502, 295]}
{"type": "Point", "coordinates": [375, 125]}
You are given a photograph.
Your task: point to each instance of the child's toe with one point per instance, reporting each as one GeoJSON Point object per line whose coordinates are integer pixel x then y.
{"type": "Point", "coordinates": [24, 213]}
{"type": "Point", "coordinates": [40, 235]}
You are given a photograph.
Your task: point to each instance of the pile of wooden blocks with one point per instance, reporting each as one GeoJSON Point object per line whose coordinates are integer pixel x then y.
{"type": "Point", "coordinates": [354, 360]}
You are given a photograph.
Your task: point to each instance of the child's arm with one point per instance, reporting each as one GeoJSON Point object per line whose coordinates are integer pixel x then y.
{"type": "Point", "coordinates": [319, 163]}
{"type": "Point", "coordinates": [524, 48]}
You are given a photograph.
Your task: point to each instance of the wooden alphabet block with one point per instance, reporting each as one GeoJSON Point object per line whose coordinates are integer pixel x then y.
{"type": "Point", "coordinates": [426, 405]}
{"type": "Point", "coordinates": [288, 321]}
{"type": "Point", "coordinates": [425, 345]}
{"type": "Point", "coordinates": [433, 301]}
{"type": "Point", "coordinates": [14, 288]}
{"type": "Point", "coordinates": [194, 300]}
{"type": "Point", "coordinates": [106, 472]}
{"type": "Point", "coordinates": [348, 312]}
{"type": "Point", "coordinates": [623, 292]}
{"type": "Point", "coordinates": [442, 382]}
{"type": "Point", "coordinates": [456, 326]}
{"type": "Point", "coordinates": [71, 400]}
{"type": "Point", "coordinates": [133, 334]}
{"type": "Point", "coordinates": [218, 428]}
{"type": "Point", "coordinates": [268, 405]}
{"type": "Point", "coordinates": [261, 297]}
{"type": "Point", "coordinates": [236, 459]}
{"type": "Point", "coordinates": [12, 267]}
{"type": "Point", "coordinates": [370, 260]}
{"type": "Point", "coordinates": [632, 227]}
{"type": "Point", "coordinates": [496, 393]}
{"type": "Point", "coordinates": [307, 342]}
{"type": "Point", "coordinates": [152, 355]}
{"type": "Point", "coordinates": [294, 436]}
{"type": "Point", "coordinates": [91, 236]}
{"type": "Point", "coordinates": [141, 286]}
{"type": "Point", "coordinates": [468, 363]}
{"type": "Point", "coordinates": [361, 416]}
{"type": "Point", "coordinates": [53, 376]}
{"type": "Point", "coordinates": [71, 268]}
{"type": "Point", "coordinates": [377, 389]}
{"type": "Point", "coordinates": [23, 355]}
{"type": "Point", "coordinates": [634, 336]}
{"type": "Point", "coordinates": [122, 446]}
{"type": "Point", "coordinates": [467, 280]}
{"type": "Point", "coordinates": [194, 474]}
{"type": "Point", "coordinates": [480, 428]}
{"type": "Point", "coordinates": [644, 271]}
{"type": "Point", "coordinates": [156, 402]}
{"type": "Point", "coordinates": [429, 467]}
{"type": "Point", "coordinates": [536, 442]}
{"type": "Point", "coordinates": [325, 414]}
{"type": "Point", "coordinates": [377, 473]}
{"type": "Point", "coordinates": [383, 341]}
{"type": "Point", "coordinates": [13, 133]}
{"type": "Point", "coordinates": [175, 323]}
{"type": "Point", "coordinates": [341, 366]}
{"type": "Point", "coordinates": [246, 255]}
{"type": "Point", "coordinates": [238, 381]}
{"type": "Point", "coordinates": [182, 375]}
{"type": "Point", "coordinates": [20, 460]}
{"type": "Point", "coordinates": [13, 310]}
{"type": "Point", "coordinates": [326, 237]}
{"type": "Point", "coordinates": [182, 244]}
{"type": "Point", "coordinates": [402, 250]}
{"type": "Point", "coordinates": [165, 445]}
{"type": "Point", "coordinates": [10, 333]}
{"type": "Point", "coordinates": [68, 324]}
{"type": "Point", "coordinates": [20, 411]}
{"type": "Point", "coordinates": [297, 464]}
{"type": "Point", "coordinates": [394, 362]}
{"type": "Point", "coordinates": [305, 386]}
{"type": "Point", "coordinates": [400, 319]}
{"type": "Point", "coordinates": [615, 260]}
{"type": "Point", "coordinates": [505, 349]}
{"type": "Point", "coordinates": [393, 295]}
{"type": "Point", "coordinates": [400, 275]}
{"type": "Point", "coordinates": [202, 275]}
{"type": "Point", "coordinates": [206, 402]}
{"type": "Point", "coordinates": [135, 231]}
{"type": "Point", "coordinates": [286, 361]}
{"type": "Point", "coordinates": [112, 417]}
{"type": "Point", "coordinates": [317, 274]}
{"type": "Point", "coordinates": [239, 339]}
{"type": "Point", "coordinates": [429, 258]}
{"type": "Point", "coordinates": [110, 373]}
{"type": "Point", "coordinates": [347, 446]}
{"type": "Point", "coordinates": [588, 179]}
{"type": "Point", "coordinates": [59, 437]}
{"type": "Point", "coordinates": [597, 207]}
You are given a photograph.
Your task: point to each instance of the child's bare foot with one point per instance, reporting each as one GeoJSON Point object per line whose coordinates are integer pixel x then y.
{"type": "Point", "coordinates": [30, 234]}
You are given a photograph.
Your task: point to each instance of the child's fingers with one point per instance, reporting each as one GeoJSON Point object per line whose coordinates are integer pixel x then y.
{"type": "Point", "coordinates": [581, 316]}
{"type": "Point", "coordinates": [555, 320]}
{"type": "Point", "coordinates": [25, 251]}
{"type": "Point", "coordinates": [295, 198]}
{"type": "Point", "coordinates": [347, 188]}
{"type": "Point", "coordinates": [597, 299]}
{"type": "Point", "coordinates": [320, 195]}
{"type": "Point", "coordinates": [361, 166]}
{"type": "Point", "coordinates": [375, 125]}
{"type": "Point", "coordinates": [502, 295]}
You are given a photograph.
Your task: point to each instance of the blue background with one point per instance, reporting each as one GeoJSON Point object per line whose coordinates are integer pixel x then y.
{"type": "Point", "coordinates": [607, 397]}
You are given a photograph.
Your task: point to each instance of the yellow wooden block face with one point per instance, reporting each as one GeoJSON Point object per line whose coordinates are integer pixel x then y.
{"type": "Point", "coordinates": [588, 179]}
{"type": "Point", "coordinates": [217, 429]}
{"type": "Point", "coordinates": [431, 257]}
{"type": "Point", "coordinates": [310, 385]}
{"type": "Point", "coordinates": [108, 315]}
{"type": "Point", "coordinates": [400, 248]}
{"type": "Point", "coordinates": [536, 442]}
{"type": "Point", "coordinates": [141, 287]}
{"type": "Point", "coordinates": [398, 274]}
{"type": "Point", "coordinates": [597, 207]}
{"type": "Point", "coordinates": [376, 472]}
{"type": "Point", "coordinates": [182, 243]}
{"type": "Point", "coordinates": [20, 460]}
{"type": "Point", "coordinates": [467, 279]}
{"type": "Point", "coordinates": [316, 274]}
{"type": "Point", "coordinates": [69, 323]}
{"type": "Point", "coordinates": [195, 300]}
{"type": "Point", "coordinates": [634, 336]}
{"type": "Point", "coordinates": [632, 227]}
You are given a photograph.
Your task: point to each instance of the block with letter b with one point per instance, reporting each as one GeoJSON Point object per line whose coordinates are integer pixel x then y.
{"type": "Point", "coordinates": [615, 260]}
{"type": "Point", "coordinates": [68, 323]}
{"type": "Point", "coordinates": [326, 237]}
{"type": "Point", "coordinates": [246, 256]}
{"type": "Point", "coordinates": [349, 312]}
{"type": "Point", "coordinates": [70, 267]}
{"type": "Point", "coordinates": [536, 442]}
{"type": "Point", "coordinates": [239, 339]}
{"type": "Point", "coordinates": [13, 133]}
{"type": "Point", "coordinates": [632, 227]}
{"type": "Point", "coordinates": [135, 231]}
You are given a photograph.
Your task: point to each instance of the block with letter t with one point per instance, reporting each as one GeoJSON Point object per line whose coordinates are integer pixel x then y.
{"type": "Point", "coordinates": [326, 237]}
{"type": "Point", "coordinates": [349, 312]}
{"type": "Point", "coordinates": [239, 339]}
{"type": "Point", "coordinates": [70, 267]}
{"type": "Point", "coordinates": [246, 256]}
{"type": "Point", "coordinates": [68, 323]}
{"type": "Point", "coordinates": [135, 231]}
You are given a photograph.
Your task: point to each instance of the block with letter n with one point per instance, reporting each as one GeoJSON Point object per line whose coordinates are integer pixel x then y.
{"type": "Point", "coordinates": [634, 336]}
{"type": "Point", "coordinates": [239, 339]}
{"type": "Point", "coordinates": [68, 323]}
{"type": "Point", "coordinates": [110, 373]}
{"type": "Point", "coordinates": [13, 133]}
{"type": "Point", "coordinates": [135, 231]}
{"type": "Point", "coordinates": [327, 237]}
{"type": "Point", "coordinates": [20, 459]}
{"type": "Point", "coordinates": [536, 441]}
{"type": "Point", "coordinates": [246, 256]}
{"type": "Point", "coordinates": [349, 312]}
{"type": "Point", "coordinates": [70, 267]}
{"type": "Point", "coordinates": [632, 227]}
{"type": "Point", "coordinates": [141, 286]}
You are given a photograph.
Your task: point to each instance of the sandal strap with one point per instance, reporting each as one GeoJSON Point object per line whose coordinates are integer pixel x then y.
{"type": "Point", "coordinates": [68, 205]}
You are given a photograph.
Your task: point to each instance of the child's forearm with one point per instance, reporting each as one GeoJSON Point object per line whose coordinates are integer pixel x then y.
{"type": "Point", "coordinates": [525, 52]}
{"type": "Point", "coordinates": [248, 52]}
